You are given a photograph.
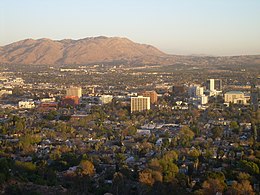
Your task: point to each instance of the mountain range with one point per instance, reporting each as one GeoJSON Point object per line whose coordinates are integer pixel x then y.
{"type": "Point", "coordinates": [83, 51]}
{"type": "Point", "coordinates": [103, 50]}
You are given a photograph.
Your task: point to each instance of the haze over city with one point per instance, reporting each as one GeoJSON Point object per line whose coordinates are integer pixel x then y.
{"type": "Point", "coordinates": [199, 27]}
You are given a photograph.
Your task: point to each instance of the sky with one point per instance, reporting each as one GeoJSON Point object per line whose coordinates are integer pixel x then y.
{"type": "Point", "coordinates": [188, 27]}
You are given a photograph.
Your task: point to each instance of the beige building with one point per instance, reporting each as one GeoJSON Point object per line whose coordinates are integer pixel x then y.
{"type": "Point", "coordinates": [74, 91]}
{"type": "Point", "coordinates": [140, 103]}
{"type": "Point", "coordinates": [196, 91]}
{"type": "Point", "coordinates": [236, 97]}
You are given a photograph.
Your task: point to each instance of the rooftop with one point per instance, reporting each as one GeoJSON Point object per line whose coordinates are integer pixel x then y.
{"type": "Point", "coordinates": [234, 92]}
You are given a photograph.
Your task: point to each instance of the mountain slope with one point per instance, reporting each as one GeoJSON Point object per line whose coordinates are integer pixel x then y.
{"type": "Point", "coordinates": [83, 51]}
{"type": "Point", "coordinates": [105, 50]}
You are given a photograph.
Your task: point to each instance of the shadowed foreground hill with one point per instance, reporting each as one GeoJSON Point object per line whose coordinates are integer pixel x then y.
{"type": "Point", "coordinates": [83, 51]}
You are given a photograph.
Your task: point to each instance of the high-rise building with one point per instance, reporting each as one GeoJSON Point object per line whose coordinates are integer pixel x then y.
{"type": "Point", "coordinates": [210, 85]}
{"type": "Point", "coordinates": [196, 91]}
{"type": "Point", "coordinates": [74, 91]}
{"type": "Point", "coordinates": [214, 85]}
{"type": "Point", "coordinates": [153, 96]}
{"type": "Point", "coordinates": [140, 103]}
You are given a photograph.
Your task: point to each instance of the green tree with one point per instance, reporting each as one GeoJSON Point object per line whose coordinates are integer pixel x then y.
{"type": "Point", "coordinates": [217, 131]}
{"type": "Point", "coordinates": [4, 170]}
{"type": "Point", "coordinates": [170, 156]}
{"type": "Point", "coordinates": [234, 126]}
{"type": "Point", "coordinates": [186, 135]}
{"type": "Point", "coordinates": [250, 167]}
{"type": "Point", "coordinates": [194, 153]}
{"type": "Point", "coordinates": [243, 176]}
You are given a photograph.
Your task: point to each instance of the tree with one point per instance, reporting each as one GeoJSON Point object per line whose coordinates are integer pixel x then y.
{"type": "Point", "coordinates": [196, 130]}
{"type": "Point", "coordinates": [169, 170]}
{"type": "Point", "coordinates": [217, 131]}
{"type": "Point", "coordinates": [171, 156]}
{"type": "Point", "coordinates": [186, 135]}
{"type": "Point", "coordinates": [19, 126]}
{"type": "Point", "coordinates": [243, 176]}
{"type": "Point", "coordinates": [146, 177]}
{"type": "Point", "coordinates": [164, 169]}
{"type": "Point", "coordinates": [154, 164]}
{"type": "Point", "coordinates": [243, 188]}
{"type": "Point", "coordinates": [25, 167]}
{"type": "Point", "coordinates": [83, 181]}
{"type": "Point", "coordinates": [4, 170]}
{"type": "Point", "coordinates": [194, 153]}
{"type": "Point", "coordinates": [212, 186]}
{"type": "Point", "coordinates": [234, 126]}
{"type": "Point", "coordinates": [17, 91]}
{"type": "Point", "coordinates": [249, 167]}
{"type": "Point", "coordinates": [87, 168]}
{"type": "Point", "coordinates": [118, 183]}
{"type": "Point", "coordinates": [157, 175]}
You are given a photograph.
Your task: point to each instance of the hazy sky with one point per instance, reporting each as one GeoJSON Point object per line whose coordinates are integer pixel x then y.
{"type": "Point", "coordinates": [213, 27]}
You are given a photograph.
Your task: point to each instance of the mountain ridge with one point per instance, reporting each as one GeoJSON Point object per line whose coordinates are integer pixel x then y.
{"type": "Point", "coordinates": [104, 49]}
{"type": "Point", "coordinates": [81, 51]}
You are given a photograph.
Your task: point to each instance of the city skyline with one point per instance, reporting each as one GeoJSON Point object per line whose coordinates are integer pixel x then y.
{"type": "Point", "coordinates": [186, 27]}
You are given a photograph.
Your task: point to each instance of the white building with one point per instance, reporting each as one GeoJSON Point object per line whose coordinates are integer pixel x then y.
{"type": "Point", "coordinates": [48, 99]}
{"type": "Point", "coordinates": [4, 91]}
{"type": "Point", "coordinates": [105, 99]}
{"type": "Point", "coordinates": [204, 99]}
{"type": "Point", "coordinates": [27, 104]}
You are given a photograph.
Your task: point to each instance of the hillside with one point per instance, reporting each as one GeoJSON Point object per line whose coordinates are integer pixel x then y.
{"type": "Point", "coordinates": [105, 50]}
{"type": "Point", "coordinates": [83, 51]}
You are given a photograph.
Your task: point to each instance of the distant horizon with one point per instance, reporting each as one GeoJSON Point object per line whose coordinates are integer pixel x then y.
{"type": "Point", "coordinates": [183, 54]}
{"type": "Point", "coordinates": [187, 27]}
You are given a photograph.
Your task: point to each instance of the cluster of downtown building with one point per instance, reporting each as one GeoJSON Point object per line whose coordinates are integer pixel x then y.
{"type": "Point", "coordinates": [194, 94]}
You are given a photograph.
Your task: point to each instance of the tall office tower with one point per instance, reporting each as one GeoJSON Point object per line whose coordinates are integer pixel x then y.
{"type": "Point", "coordinates": [196, 91]}
{"type": "Point", "coordinates": [214, 85]}
{"type": "Point", "coordinates": [140, 103]}
{"type": "Point", "coordinates": [74, 91]}
{"type": "Point", "coordinates": [153, 96]}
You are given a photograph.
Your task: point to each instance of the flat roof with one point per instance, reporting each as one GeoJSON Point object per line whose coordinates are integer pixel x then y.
{"type": "Point", "coordinates": [234, 92]}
